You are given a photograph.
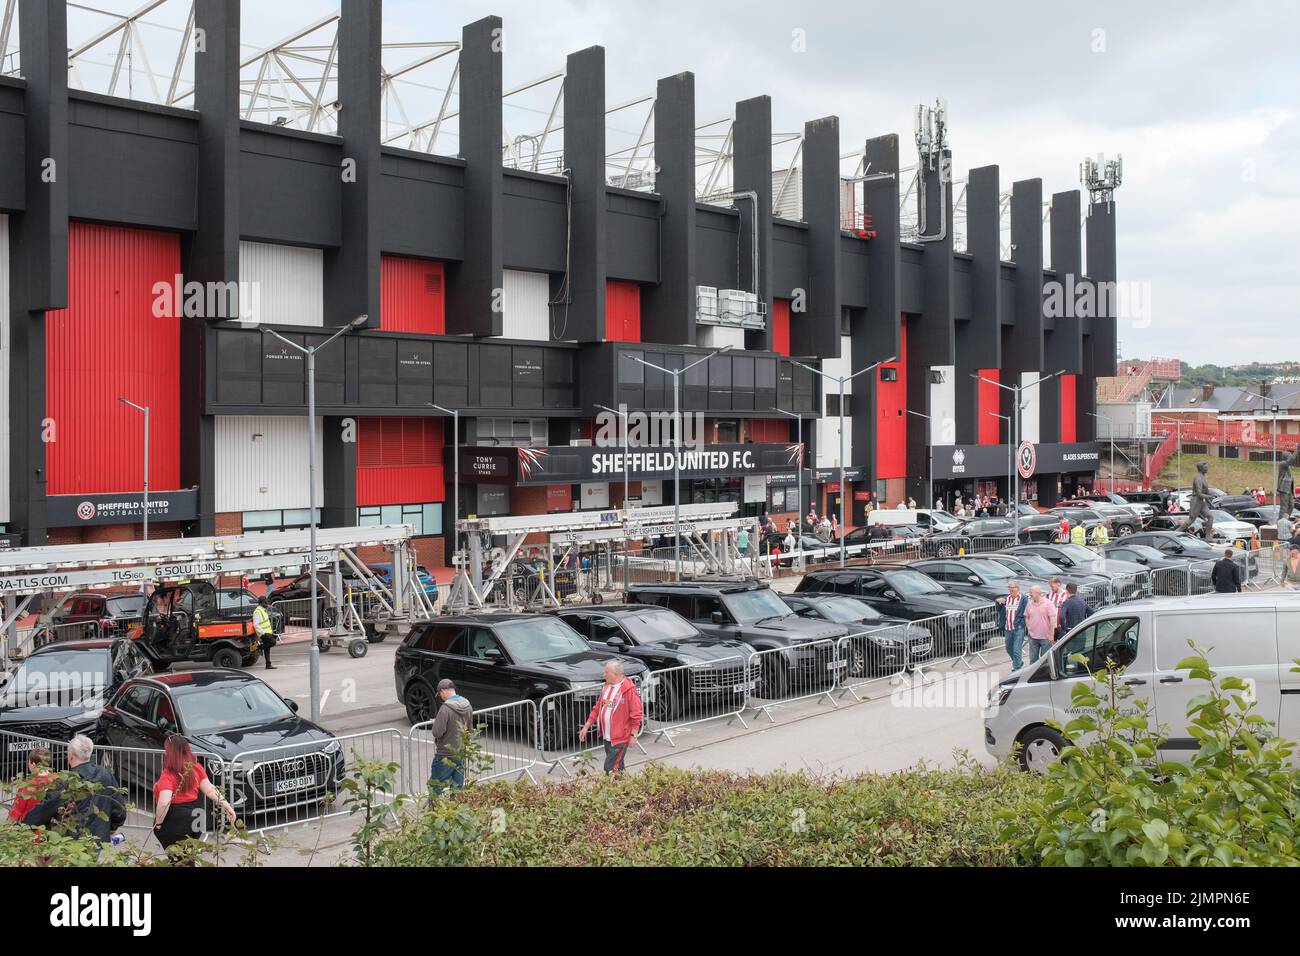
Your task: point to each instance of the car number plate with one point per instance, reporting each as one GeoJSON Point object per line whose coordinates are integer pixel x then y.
{"type": "Point", "coordinates": [294, 783]}
{"type": "Point", "coordinates": [836, 665]}
{"type": "Point", "coordinates": [16, 746]}
{"type": "Point", "coordinates": [987, 626]}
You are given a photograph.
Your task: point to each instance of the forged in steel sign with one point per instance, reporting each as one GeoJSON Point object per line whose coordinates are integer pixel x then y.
{"type": "Point", "coordinates": [1026, 459]}
{"type": "Point", "coordinates": [75, 510]}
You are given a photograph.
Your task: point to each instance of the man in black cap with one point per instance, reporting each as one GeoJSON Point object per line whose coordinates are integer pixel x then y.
{"type": "Point", "coordinates": [455, 717]}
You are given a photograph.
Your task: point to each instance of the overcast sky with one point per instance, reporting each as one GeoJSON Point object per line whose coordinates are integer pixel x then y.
{"type": "Point", "coordinates": [1201, 99]}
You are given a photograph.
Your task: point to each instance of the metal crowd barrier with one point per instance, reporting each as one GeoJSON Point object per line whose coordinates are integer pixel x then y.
{"type": "Point", "coordinates": [805, 671]}
{"type": "Point", "coordinates": [690, 694]}
{"type": "Point", "coordinates": [504, 745]}
{"type": "Point", "coordinates": [560, 717]}
{"type": "Point", "coordinates": [884, 655]}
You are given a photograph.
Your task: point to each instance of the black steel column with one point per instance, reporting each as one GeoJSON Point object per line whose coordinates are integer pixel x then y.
{"type": "Point", "coordinates": [752, 173]}
{"type": "Point", "coordinates": [213, 251]}
{"type": "Point", "coordinates": [875, 332]}
{"type": "Point", "coordinates": [818, 332]}
{"type": "Point", "coordinates": [1023, 347]}
{"type": "Point", "coordinates": [38, 257]}
{"type": "Point", "coordinates": [669, 308]}
{"type": "Point", "coordinates": [474, 285]}
{"type": "Point", "coordinates": [584, 156]}
{"type": "Point", "coordinates": [979, 340]}
{"type": "Point", "coordinates": [1063, 346]}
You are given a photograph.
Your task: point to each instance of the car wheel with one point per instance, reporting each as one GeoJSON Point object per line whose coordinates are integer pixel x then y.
{"type": "Point", "coordinates": [1040, 748]}
{"type": "Point", "coordinates": [357, 647]}
{"type": "Point", "coordinates": [248, 660]}
{"type": "Point", "coordinates": [227, 657]}
{"type": "Point", "coordinates": [665, 705]}
{"type": "Point", "coordinates": [374, 635]}
{"type": "Point", "coordinates": [1123, 531]}
{"type": "Point", "coordinates": [418, 700]}
{"type": "Point", "coordinates": [857, 655]}
{"type": "Point", "coordinates": [947, 550]}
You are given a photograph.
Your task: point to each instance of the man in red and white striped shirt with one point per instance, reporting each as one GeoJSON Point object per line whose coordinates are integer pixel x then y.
{"type": "Point", "coordinates": [1057, 595]}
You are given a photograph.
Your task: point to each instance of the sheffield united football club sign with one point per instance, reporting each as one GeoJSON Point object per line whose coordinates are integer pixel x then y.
{"type": "Point", "coordinates": [1026, 459]}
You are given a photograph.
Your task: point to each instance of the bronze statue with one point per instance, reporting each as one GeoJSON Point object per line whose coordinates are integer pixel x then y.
{"type": "Point", "coordinates": [1286, 485]}
{"type": "Point", "coordinates": [1199, 508]}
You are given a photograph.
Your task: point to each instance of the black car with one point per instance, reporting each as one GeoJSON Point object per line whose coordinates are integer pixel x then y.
{"type": "Point", "coordinates": [752, 612]}
{"type": "Point", "coordinates": [1234, 503]}
{"type": "Point", "coordinates": [877, 644]}
{"type": "Point", "coordinates": [1126, 576]}
{"type": "Point", "coordinates": [1188, 547]}
{"type": "Point", "coordinates": [237, 604]}
{"type": "Point", "coordinates": [1261, 515]}
{"type": "Point", "coordinates": [293, 599]}
{"type": "Point", "coordinates": [1123, 522]}
{"type": "Point", "coordinates": [58, 692]}
{"type": "Point", "coordinates": [990, 534]}
{"type": "Point", "coordinates": [1034, 569]}
{"type": "Point", "coordinates": [497, 659]}
{"type": "Point", "coordinates": [708, 673]}
{"type": "Point", "coordinates": [1170, 575]}
{"type": "Point", "coordinates": [251, 741]}
{"type": "Point", "coordinates": [976, 575]}
{"type": "Point", "coordinates": [898, 591]}
{"type": "Point", "coordinates": [1157, 500]}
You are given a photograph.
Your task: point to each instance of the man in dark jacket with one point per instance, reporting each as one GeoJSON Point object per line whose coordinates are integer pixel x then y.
{"type": "Point", "coordinates": [1074, 610]}
{"type": "Point", "coordinates": [454, 717]}
{"type": "Point", "coordinates": [1226, 576]}
{"type": "Point", "coordinates": [99, 814]}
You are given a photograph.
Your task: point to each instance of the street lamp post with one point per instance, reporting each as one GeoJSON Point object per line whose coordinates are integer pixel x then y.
{"type": "Point", "coordinates": [1276, 409]}
{"type": "Point", "coordinates": [929, 465]}
{"type": "Point", "coordinates": [1110, 433]}
{"type": "Point", "coordinates": [313, 653]}
{"type": "Point", "coordinates": [843, 380]}
{"type": "Point", "coordinates": [622, 413]}
{"type": "Point", "coordinates": [1007, 419]}
{"type": "Point", "coordinates": [145, 409]}
{"type": "Point", "coordinates": [1016, 390]}
{"type": "Point", "coordinates": [455, 478]}
{"type": "Point", "coordinates": [798, 485]}
{"type": "Point", "coordinates": [677, 447]}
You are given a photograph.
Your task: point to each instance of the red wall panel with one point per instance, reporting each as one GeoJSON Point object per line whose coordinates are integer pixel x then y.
{"type": "Point", "coordinates": [400, 461]}
{"type": "Point", "coordinates": [774, 429]}
{"type": "Point", "coordinates": [622, 311]}
{"type": "Point", "coordinates": [1069, 410]}
{"type": "Point", "coordinates": [108, 343]}
{"type": "Point", "coordinates": [989, 402]}
{"type": "Point", "coordinates": [412, 297]}
{"type": "Point", "coordinates": [781, 326]}
{"type": "Point", "coordinates": [891, 428]}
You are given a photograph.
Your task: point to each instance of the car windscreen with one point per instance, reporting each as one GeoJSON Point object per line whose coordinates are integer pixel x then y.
{"type": "Point", "coordinates": [848, 610]}
{"type": "Point", "coordinates": [991, 570]}
{"type": "Point", "coordinates": [59, 678]}
{"type": "Point", "coordinates": [539, 640]}
{"type": "Point", "coordinates": [749, 607]}
{"type": "Point", "coordinates": [1144, 551]}
{"type": "Point", "coordinates": [222, 706]}
{"type": "Point", "coordinates": [1037, 564]}
{"type": "Point", "coordinates": [650, 626]}
{"type": "Point", "coordinates": [913, 583]}
{"type": "Point", "coordinates": [1080, 555]}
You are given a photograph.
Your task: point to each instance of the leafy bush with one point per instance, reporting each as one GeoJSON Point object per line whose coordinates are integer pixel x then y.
{"type": "Point", "coordinates": [672, 817]}
{"type": "Point", "coordinates": [1110, 803]}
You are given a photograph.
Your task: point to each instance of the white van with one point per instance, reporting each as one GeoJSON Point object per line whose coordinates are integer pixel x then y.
{"type": "Point", "coordinates": [1255, 636]}
{"type": "Point", "coordinates": [926, 518]}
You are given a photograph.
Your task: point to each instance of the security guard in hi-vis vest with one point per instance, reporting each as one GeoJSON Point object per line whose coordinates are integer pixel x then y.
{"type": "Point", "coordinates": [1078, 535]}
{"type": "Point", "coordinates": [265, 633]}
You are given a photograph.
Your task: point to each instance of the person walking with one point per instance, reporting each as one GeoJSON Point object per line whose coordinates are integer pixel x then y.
{"type": "Point", "coordinates": [98, 815]}
{"type": "Point", "coordinates": [1013, 624]}
{"type": "Point", "coordinates": [454, 719]}
{"type": "Point", "coordinates": [32, 790]}
{"type": "Point", "coordinates": [617, 715]}
{"type": "Point", "coordinates": [264, 631]}
{"type": "Point", "coordinates": [178, 815]}
{"type": "Point", "coordinates": [1291, 557]}
{"type": "Point", "coordinates": [1056, 594]}
{"type": "Point", "coordinates": [1040, 622]}
{"type": "Point", "coordinates": [742, 542]}
{"type": "Point", "coordinates": [1075, 610]}
{"type": "Point", "coordinates": [1226, 576]}
{"type": "Point", "coordinates": [1063, 530]}
{"type": "Point", "coordinates": [1285, 532]}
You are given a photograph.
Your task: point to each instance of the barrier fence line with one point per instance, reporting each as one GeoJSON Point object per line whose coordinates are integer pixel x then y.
{"type": "Point", "coordinates": [681, 697]}
{"type": "Point", "coordinates": [883, 655]}
{"type": "Point", "coordinates": [807, 670]}
{"type": "Point", "coordinates": [560, 717]}
{"type": "Point", "coordinates": [503, 743]}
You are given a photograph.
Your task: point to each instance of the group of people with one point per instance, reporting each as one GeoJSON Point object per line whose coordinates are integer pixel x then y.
{"type": "Point", "coordinates": [96, 806]}
{"type": "Point", "coordinates": [1039, 619]}
{"type": "Point", "coordinates": [981, 506]}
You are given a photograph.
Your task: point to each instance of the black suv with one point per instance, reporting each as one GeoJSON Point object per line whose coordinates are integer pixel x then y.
{"type": "Point", "coordinates": [752, 612]}
{"type": "Point", "coordinates": [58, 692]}
{"type": "Point", "coordinates": [252, 743]}
{"type": "Point", "coordinates": [976, 575]}
{"type": "Point", "coordinates": [496, 659]}
{"type": "Point", "coordinates": [1073, 558]}
{"type": "Point", "coordinates": [1234, 503]}
{"type": "Point", "coordinates": [898, 591]}
{"type": "Point", "coordinates": [877, 644]}
{"type": "Point", "coordinates": [722, 671]}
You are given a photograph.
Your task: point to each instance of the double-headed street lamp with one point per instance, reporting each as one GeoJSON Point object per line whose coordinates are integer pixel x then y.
{"type": "Point", "coordinates": [145, 409]}
{"type": "Point", "coordinates": [676, 374]}
{"type": "Point", "coordinates": [1016, 391]}
{"type": "Point", "coordinates": [798, 485]}
{"type": "Point", "coordinates": [1110, 433]}
{"type": "Point", "coordinates": [843, 380]}
{"type": "Point", "coordinates": [1276, 409]}
{"type": "Point", "coordinates": [313, 653]}
{"type": "Point", "coordinates": [621, 412]}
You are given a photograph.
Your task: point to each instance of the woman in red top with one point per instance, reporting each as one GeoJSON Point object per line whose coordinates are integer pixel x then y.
{"type": "Point", "coordinates": [178, 814]}
{"type": "Point", "coordinates": [32, 790]}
